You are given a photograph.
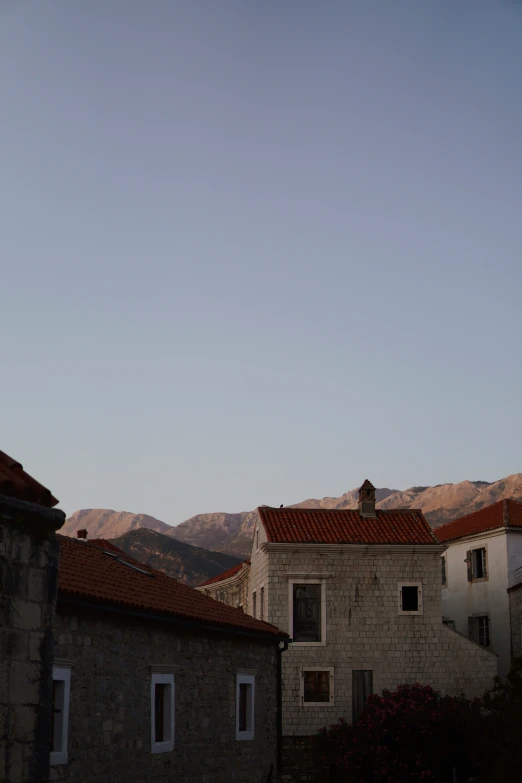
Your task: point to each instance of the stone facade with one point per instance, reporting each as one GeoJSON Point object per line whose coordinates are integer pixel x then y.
{"type": "Point", "coordinates": [232, 591]}
{"type": "Point", "coordinates": [28, 578]}
{"type": "Point", "coordinates": [363, 628]}
{"type": "Point", "coordinates": [515, 608]}
{"type": "Point", "coordinates": [110, 704]}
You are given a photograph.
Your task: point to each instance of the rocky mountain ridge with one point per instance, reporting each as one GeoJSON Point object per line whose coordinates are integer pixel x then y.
{"type": "Point", "coordinates": [232, 533]}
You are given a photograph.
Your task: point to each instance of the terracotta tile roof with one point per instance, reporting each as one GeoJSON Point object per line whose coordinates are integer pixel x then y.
{"type": "Point", "coordinates": [503, 513]}
{"type": "Point", "coordinates": [87, 571]}
{"type": "Point", "coordinates": [341, 526]}
{"type": "Point", "coordinates": [226, 574]}
{"type": "Point", "coordinates": [16, 483]}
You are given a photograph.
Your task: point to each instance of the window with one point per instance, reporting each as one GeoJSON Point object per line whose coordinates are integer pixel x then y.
{"type": "Point", "coordinates": [362, 687]}
{"type": "Point", "coordinates": [476, 560]}
{"type": "Point", "coordinates": [257, 538]}
{"type": "Point", "coordinates": [478, 629]}
{"type": "Point", "coordinates": [306, 613]}
{"type": "Point", "coordinates": [60, 714]}
{"type": "Point", "coordinates": [410, 598]}
{"type": "Point", "coordinates": [317, 687]}
{"type": "Point", "coordinates": [443, 578]}
{"type": "Point", "coordinates": [262, 603]}
{"type": "Point", "coordinates": [245, 699]}
{"type": "Point", "coordinates": [162, 713]}
{"type": "Point", "coordinates": [254, 602]}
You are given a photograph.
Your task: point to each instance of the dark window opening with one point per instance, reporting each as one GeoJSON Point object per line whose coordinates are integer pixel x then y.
{"type": "Point", "coordinates": [57, 715]}
{"type": "Point", "coordinates": [443, 570]}
{"type": "Point", "coordinates": [478, 630]}
{"type": "Point", "coordinates": [362, 688]}
{"type": "Point", "coordinates": [245, 707]}
{"type": "Point", "coordinates": [160, 701]}
{"type": "Point", "coordinates": [316, 686]}
{"type": "Point", "coordinates": [410, 598]}
{"type": "Point", "coordinates": [307, 613]}
{"type": "Point", "coordinates": [262, 604]}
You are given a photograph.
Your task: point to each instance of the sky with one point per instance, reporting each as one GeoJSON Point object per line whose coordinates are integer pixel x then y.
{"type": "Point", "coordinates": [255, 251]}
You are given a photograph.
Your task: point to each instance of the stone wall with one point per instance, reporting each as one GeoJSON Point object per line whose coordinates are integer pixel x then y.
{"type": "Point", "coordinates": [109, 722]}
{"type": "Point", "coordinates": [364, 629]}
{"type": "Point", "coordinates": [233, 591]}
{"type": "Point", "coordinates": [515, 608]}
{"type": "Point", "coordinates": [28, 578]}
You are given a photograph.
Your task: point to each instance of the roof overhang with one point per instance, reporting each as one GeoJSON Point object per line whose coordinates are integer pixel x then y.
{"type": "Point", "coordinates": [272, 546]}
{"type": "Point", "coordinates": [90, 604]}
{"type": "Point", "coordinates": [498, 531]}
{"type": "Point", "coordinates": [231, 580]}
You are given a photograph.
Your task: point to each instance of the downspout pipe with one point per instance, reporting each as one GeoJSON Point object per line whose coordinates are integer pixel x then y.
{"type": "Point", "coordinates": [280, 651]}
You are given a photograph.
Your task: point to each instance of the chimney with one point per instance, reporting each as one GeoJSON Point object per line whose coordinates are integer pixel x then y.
{"type": "Point", "coordinates": [367, 500]}
{"type": "Point", "coordinates": [81, 533]}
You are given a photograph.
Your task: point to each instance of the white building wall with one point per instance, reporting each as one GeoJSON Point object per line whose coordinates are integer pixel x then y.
{"type": "Point", "coordinates": [462, 599]}
{"type": "Point", "coordinates": [514, 551]}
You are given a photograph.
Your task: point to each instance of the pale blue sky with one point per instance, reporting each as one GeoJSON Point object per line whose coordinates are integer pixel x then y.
{"type": "Point", "coordinates": [259, 250]}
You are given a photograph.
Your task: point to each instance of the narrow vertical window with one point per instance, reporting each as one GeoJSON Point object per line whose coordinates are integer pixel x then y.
{"type": "Point", "coordinates": [245, 706]}
{"type": "Point", "coordinates": [162, 713]}
{"type": "Point", "coordinates": [262, 603]}
{"type": "Point", "coordinates": [254, 602]}
{"type": "Point", "coordinates": [257, 538]}
{"type": "Point", "coordinates": [61, 688]}
{"type": "Point", "coordinates": [443, 571]}
{"type": "Point", "coordinates": [362, 687]}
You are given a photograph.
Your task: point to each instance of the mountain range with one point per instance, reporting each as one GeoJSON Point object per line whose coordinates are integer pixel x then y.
{"type": "Point", "coordinates": [232, 533]}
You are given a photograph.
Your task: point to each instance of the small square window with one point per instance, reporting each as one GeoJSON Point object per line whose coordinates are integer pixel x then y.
{"type": "Point", "coordinates": [410, 598]}
{"type": "Point", "coordinates": [162, 713]}
{"type": "Point", "coordinates": [245, 703]}
{"type": "Point", "coordinates": [60, 714]}
{"type": "Point", "coordinates": [316, 686]}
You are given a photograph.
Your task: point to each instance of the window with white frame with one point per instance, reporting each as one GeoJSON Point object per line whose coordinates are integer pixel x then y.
{"type": "Point", "coordinates": [307, 611]}
{"type": "Point", "coordinates": [410, 597]}
{"type": "Point", "coordinates": [245, 706]}
{"type": "Point", "coordinates": [162, 712]}
{"type": "Point", "coordinates": [60, 714]}
{"type": "Point", "coordinates": [317, 686]}
{"type": "Point", "coordinates": [477, 563]}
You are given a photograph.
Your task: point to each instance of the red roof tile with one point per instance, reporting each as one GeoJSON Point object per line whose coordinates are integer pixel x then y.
{"type": "Point", "coordinates": [504, 513]}
{"type": "Point", "coordinates": [87, 571]}
{"type": "Point", "coordinates": [341, 526]}
{"type": "Point", "coordinates": [16, 483]}
{"type": "Point", "coordinates": [226, 574]}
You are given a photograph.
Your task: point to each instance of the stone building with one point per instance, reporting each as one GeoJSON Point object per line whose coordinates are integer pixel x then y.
{"type": "Point", "coordinates": [163, 683]}
{"type": "Point", "coordinates": [28, 577]}
{"type": "Point", "coordinates": [359, 593]}
{"type": "Point", "coordinates": [482, 560]}
{"type": "Point", "coordinates": [121, 673]}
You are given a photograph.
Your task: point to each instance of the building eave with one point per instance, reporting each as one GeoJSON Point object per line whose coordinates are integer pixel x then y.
{"type": "Point", "coordinates": [272, 546]}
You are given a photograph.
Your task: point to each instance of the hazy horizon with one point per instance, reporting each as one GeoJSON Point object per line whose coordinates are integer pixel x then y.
{"type": "Point", "coordinates": [257, 252]}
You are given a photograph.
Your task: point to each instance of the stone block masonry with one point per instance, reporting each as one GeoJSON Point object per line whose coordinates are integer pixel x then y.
{"type": "Point", "coordinates": [28, 579]}
{"type": "Point", "coordinates": [110, 706]}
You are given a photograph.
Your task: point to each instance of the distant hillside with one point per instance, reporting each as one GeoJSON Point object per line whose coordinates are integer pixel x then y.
{"type": "Point", "coordinates": [106, 523]}
{"type": "Point", "coordinates": [189, 564]}
{"type": "Point", "coordinates": [232, 533]}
